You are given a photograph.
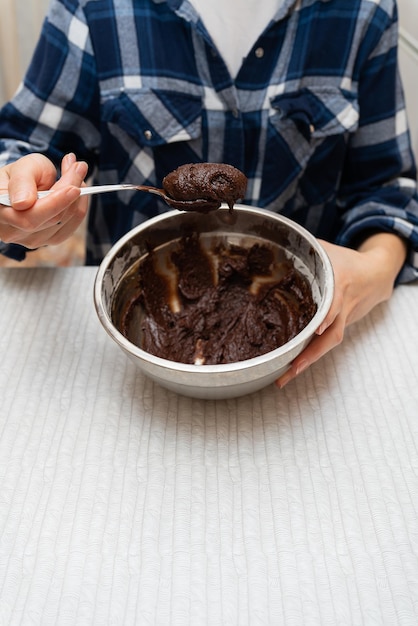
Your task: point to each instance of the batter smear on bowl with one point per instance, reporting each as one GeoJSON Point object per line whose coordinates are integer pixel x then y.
{"type": "Point", "coordinates": [222, 305]}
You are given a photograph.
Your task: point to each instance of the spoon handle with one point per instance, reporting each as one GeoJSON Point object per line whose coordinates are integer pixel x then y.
{"type": "Point", "coordinates": [84, 191]}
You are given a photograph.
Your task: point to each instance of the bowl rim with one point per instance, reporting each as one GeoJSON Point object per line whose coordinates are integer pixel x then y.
{"type": "Point", "coordinates": [157, 361]}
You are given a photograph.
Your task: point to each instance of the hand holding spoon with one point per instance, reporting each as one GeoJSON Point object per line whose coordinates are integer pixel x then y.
{"type": "Point", "coordinates": [198, 187]}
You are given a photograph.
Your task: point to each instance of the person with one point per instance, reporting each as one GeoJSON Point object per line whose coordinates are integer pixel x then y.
{"type": "Point", "coordinates": [303, 96]}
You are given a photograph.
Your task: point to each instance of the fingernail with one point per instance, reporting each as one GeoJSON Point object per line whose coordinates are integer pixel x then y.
{"type": "Point", "coordinates": [81, 168]}
{"type": "Point", "coordinates": [291, 374]}
{"type": "Point", "coordinates": [301, 367]}
{"type": "Point", "coordinates": [67, 161]}
{"type": "Point", "coordinates": [284, 380]}
{"type": "Point", "coordinates": [21, 197]}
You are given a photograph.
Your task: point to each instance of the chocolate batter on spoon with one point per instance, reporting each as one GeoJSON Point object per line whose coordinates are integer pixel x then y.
{"type": "Point", "coordinates": [204, 186]}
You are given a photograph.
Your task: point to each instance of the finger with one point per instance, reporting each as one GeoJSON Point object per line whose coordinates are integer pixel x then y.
{"type": "Point", "coordinates": [39, 173]}
{"type": "Point", "coordinates": [317, 348]}
{"type": "Point", "coordinates": [32, 219]}
{"type": "Point", "coordinates": [26, 176]}
{"type": "Point", "coordinates": [61, 232]}
{"type": "Point", "coordinates": [52, 235]}
{"type": "Point", "coordinates": [67, 161]}
{"type": "Point", "coordinates": [334, 311]}
{"type": "Point", "coordinates": [73, 172]}
{"type": "Point", "coordinates": [75, 211]}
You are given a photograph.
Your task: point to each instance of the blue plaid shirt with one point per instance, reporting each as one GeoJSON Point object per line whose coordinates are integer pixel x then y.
{"type": "Point", "coordinates": [315, 117]}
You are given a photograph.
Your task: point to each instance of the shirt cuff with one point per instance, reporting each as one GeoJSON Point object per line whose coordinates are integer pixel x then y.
{"type": "Point", "coordinates": [13, 251]}
{"type": "Point", "coordinates": [389, 224]}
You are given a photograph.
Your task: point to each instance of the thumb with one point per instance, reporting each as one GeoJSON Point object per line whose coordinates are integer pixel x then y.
{"type": "Point", "coordinates": [26, 176]}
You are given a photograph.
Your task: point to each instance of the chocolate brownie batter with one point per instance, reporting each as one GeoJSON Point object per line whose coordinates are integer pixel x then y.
{"type": "Point", "coordinates": [222, 305]}
{"type": "Point", "coordinates": [212, 182]}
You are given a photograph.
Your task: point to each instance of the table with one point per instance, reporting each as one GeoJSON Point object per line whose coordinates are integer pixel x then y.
{"type": "Point", "coordinates": [123, 503]}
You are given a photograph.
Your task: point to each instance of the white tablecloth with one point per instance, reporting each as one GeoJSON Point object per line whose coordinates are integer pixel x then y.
{"type": "Point", "coordinates": [123, 503]}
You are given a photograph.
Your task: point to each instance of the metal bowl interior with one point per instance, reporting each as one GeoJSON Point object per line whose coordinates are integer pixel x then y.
{"type": "Point", "coordinates": [244, 226]}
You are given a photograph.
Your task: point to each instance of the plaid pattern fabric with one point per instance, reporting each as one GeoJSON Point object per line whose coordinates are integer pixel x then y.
{"type": "Point", "coordinates": [315, 117]}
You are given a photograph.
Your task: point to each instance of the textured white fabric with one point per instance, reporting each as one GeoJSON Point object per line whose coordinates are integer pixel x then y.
{"type": "Point", "coordinates": [124, 504]}
{"type": "Point", "coordinates": [235, 25]}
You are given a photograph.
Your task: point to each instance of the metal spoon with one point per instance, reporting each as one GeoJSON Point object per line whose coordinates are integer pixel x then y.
{"type": "Point", "coordinates": [201, 205]}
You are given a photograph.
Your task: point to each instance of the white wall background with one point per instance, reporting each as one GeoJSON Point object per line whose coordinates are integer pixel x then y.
{"type": "Point", "coordinates": [20, 24]}
{"type": "Point", "coordinates": [21, 21]}
{"type": "Point", "coordinates": [408, 61]}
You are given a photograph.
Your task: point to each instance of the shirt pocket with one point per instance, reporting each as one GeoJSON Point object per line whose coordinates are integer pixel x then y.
{"type": "Point", "coordinates": [154, 118]}
{"type": "Point", "coordinates": [307, 141]}
{"type": "Point", "coordinates": [306, 118]}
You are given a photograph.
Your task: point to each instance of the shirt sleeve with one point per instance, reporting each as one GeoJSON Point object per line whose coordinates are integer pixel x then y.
{"type": "Point", "coordinates": [378, 185]}
{"type": "Point", "coordinates": [56, 108]}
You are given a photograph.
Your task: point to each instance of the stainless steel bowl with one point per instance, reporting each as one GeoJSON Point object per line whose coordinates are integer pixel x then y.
{"type": "Point", "coordinates": [245, 226]}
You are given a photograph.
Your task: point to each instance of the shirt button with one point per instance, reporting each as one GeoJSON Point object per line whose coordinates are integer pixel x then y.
{"type": "Point", "coordinates": [148, 135]}
{"type": "Point", "coordinates": [259, 53]}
